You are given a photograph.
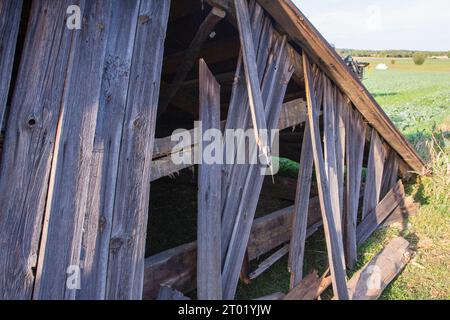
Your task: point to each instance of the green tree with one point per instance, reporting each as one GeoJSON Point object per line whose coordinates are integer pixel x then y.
{"type": "Point", "coordinates": [419, 58]}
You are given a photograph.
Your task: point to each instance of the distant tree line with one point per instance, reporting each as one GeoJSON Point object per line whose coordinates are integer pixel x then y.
{"type": "Point", "coordinates": [389, 53]}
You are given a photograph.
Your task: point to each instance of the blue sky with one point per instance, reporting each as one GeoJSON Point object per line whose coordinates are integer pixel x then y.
{"type": "Point", "coordinates": [381, 24]}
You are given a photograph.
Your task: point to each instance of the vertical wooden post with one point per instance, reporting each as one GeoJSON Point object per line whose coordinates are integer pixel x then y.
{"type": "Point", "coordinates": [130, 216]}
{"type": "Point", "coordinates": [29, 144]}
{"type": "Point", "coordinates": [209, 257]}
{"type": "Point", "coordinates": [66, 200]}
{"type": "Point", "coordinates": [374, 176]}
{"type": "Point", "coordinates": [333, 238]}
{"type": "Point", "coordinates": [356, 137]}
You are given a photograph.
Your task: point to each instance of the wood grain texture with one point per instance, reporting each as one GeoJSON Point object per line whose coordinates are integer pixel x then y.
{"type": "Point", "coordinates": [370, 282]}
{"type": "Point", "coordinates": [191, 55]}
{"type": "Point", "coordinates": [310, 288]}
{"type": "Point", "coordinates": [129, 227]}
{"type": "Point", "coordinates": [300, 218]}
{"type": "Point", "coordinates": [270, 261]}
{"type": "Point", "coordinates": [10, 12]}
{"type": "Point", "coordinates": [29, 144]}
{"type": "Point", "coordinates": [356, 133]}
{"type": "Point", "coordinates": [390, 172]}
{"type": "Point", "coordinates": [104, 163]}
{"type": "Point", "coordinates": [209, 257]}
{"type": "Point", "coordinates": [374, 176]}
{"type": "Point", "coordinates": [394, 199]}
{"type": "Point", "coordinates": [333, 238]}
{"type": "Point", "coordinates": [68, 191]}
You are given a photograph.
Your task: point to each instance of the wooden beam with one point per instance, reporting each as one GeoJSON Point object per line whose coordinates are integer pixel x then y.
{"type": "Point", "coordinates": [374, 175]}
{"type": "Point", "coordinates": [390, 172]}
{"type": "Point", "coordinates": [177, 267]}
{"type": "Point", "coordinates": [251, 75]}
{"type": "Point", "coordinates": [209, 261]}
{"type": "Point", "coordinates": [166, 293]}
{"type": "Point", "coordinates": [293, 113]}
{"type": "Point", "coordinates": [27, 154]}
{"type": "Point", "coordinates": [376, 217]}
{"type": "Point", "coordinates": [10, 14]}
{"type": "Point", "coordinates": [309, 288]}
{"type": "Point", "coordinates": [191, 55]}
{"type": "Point", "coordinates": [300, 220]}
{"type": "Point", "coordinates": [129, 226]}
{"type": "Point", "coordinates": [333, 238]}
{"type": "Point", "coordinates": [370, 282]}
{"type": "Point", "coordinates": [301, 31]}
{"type": "Point", "coordinates": [269, 262]}
{"type": "Point", "coordinates": [356, 132]}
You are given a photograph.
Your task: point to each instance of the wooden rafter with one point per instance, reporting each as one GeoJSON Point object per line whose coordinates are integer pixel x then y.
{"type": "Point", "coordinates": [191, 55]}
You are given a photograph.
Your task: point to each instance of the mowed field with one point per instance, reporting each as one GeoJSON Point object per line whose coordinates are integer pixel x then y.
{"type": "Point", "coordinates": [417, 99]}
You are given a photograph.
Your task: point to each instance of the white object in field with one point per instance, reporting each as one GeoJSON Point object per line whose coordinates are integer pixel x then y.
{"type": "Point", "coordinates": [382, 66]}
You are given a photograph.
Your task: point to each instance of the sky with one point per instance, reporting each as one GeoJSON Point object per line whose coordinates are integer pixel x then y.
{"type": "Point", "coordinates": [381, 24]}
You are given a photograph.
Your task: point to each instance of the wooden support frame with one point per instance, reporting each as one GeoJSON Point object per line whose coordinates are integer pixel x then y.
{"type": "Point", "coordinates": [333, 238]}
{"type": "Point", "coordinates": [374, 176]}
{"type": "Point", "coordinates": [209, 264]}
{"type": "Point", "coordinates": [191, 55]}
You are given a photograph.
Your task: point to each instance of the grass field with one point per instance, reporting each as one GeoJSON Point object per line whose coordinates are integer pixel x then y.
{"type": "Point", "coordinates": [417, 99]}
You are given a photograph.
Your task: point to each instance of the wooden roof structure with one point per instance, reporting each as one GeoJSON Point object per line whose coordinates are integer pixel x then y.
{"type": "Point", "coordinates": [86, 117]}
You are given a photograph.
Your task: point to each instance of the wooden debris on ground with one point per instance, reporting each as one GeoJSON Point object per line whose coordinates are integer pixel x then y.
{"type": "Point", "coordinates": [370, 282]}
{"type": "Point", "coordinates": [309, 288]}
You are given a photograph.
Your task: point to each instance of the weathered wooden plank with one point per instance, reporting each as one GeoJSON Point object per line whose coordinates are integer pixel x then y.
{"type": "Point", "coordinates": [374, 176]}
{"type": "Point", "coordinates": [191, 55]}
{"type": "Point", "coordinates": [402, 213]}
{"type": "Point", "coordinates": [10, 12]}
{"type": "Point", "coordinates": [341, 118]}
{"type": "Point", "coordinates": [68, 192]}
{"type": "Point", "coordinates": [177, 267]}
{"type": "Point", "coordinates": [309, 288]}
{"type": "Point", "coordinates": [209, 264]}
{"type": "Point", "coordinates": [29, 144]}
{"type": "Point", "coordinates": [390, 172]}
{"type": "Point", "coordinates": [333, 238]}
{"type": "Point", "coordinates": [104, 163]}
{"type": "Point", "coordinates": [251, 74]}
{"type": "Point", "coordinates": [356, 132]}
{"type": "Point", "coordinates": [300, 220]}
{"type": "Point", "coordinates": [270, 261]}
{"type": "Point", "coordinates": [166, 293]}
{"type": "Point", "coordinates": [393, 199]}
{"type": "Point", "coordinates": [330, 156]}
{"type": "Point", "coordinates": [130, 215]}
{"type": "Point", "coordinates": [370, 282]}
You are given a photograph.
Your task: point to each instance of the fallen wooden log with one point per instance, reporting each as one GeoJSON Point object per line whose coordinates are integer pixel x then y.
{"type": "Point", "coordinates": [370, 282]}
